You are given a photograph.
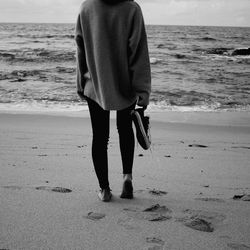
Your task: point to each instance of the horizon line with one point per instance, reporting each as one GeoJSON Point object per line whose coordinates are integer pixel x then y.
{"type": "Point", "coordinates": [192, 25]}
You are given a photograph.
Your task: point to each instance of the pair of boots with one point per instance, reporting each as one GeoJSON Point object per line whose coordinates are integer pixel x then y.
{"type": "Point", "coordinates": [127, 190]}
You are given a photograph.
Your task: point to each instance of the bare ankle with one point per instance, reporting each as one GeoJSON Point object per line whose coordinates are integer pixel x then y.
{"type": "Point", "coordinates": [127, 177]}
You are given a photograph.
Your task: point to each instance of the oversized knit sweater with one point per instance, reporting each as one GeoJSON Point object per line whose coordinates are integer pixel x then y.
{"type": "Point", "coordinates": [113, 67]}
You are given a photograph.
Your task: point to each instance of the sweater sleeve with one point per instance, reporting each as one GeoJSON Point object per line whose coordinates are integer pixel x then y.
{"type": "Point", "coordinates": [82, 68]}
{"type": "Point", "coordinates": [139, 63]}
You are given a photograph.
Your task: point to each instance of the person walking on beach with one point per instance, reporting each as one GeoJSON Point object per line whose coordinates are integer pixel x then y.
{"type": "Point", "coordinates": [113, 73]}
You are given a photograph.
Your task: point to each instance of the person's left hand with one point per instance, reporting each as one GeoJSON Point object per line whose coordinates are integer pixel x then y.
{"type": "Point", "coordinates": [143, 100]}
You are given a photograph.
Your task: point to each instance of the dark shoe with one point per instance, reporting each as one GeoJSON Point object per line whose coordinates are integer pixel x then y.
{"type": "Point", "coordinates": [127, 190]}
{"type": "Point", "coordinates": [105, 195]}
{"type": "Point", "coordinates": [142, 127]}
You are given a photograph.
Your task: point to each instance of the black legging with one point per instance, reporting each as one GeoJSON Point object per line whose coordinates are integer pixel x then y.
{"type": "Point", "coordinates": [100, 127]}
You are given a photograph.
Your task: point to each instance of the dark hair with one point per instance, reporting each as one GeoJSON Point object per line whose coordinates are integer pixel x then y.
{"type": "Point", "coordinates": [115, 1]}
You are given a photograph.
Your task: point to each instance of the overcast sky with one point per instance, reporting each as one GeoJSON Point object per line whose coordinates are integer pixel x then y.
{"type": "Point", "coordinates": [172, 12]}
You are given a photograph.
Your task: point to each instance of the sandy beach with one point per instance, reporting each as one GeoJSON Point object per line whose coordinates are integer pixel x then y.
{"type": "Point", "coordinates": [191, 190]}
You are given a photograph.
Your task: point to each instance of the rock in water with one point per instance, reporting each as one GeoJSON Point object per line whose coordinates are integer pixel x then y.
{"type": "Point", "coordinates": [242, 197]}
{"type": "Point", "coordinates": [218, 51]}
{"type": "Point", "coordinates": [241, 52]}
{"type": "Point", "coordinates": [246, 197]}
{"type": "Point", "coordinates": [238, 196]}
{"type": "Point", "coordinates": [200, 225]}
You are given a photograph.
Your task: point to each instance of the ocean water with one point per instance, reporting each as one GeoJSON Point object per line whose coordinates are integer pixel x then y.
{"type": "Point", "coordinates": [193, 68]}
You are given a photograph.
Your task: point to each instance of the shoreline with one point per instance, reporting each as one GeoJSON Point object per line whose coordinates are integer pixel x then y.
{"type": "Point", "coordinates": [216, 118]}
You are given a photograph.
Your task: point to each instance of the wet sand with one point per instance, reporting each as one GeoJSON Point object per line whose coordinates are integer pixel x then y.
{"type": "Point", "coordinates": [191, 189]}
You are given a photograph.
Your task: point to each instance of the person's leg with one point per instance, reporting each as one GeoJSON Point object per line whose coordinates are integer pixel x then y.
{"type": "Point", "coordinates": [126, 139]}
{"type": "Point", "coordinates": [100, 128]}
{"type": "Point", "coordinates": [127, 145]}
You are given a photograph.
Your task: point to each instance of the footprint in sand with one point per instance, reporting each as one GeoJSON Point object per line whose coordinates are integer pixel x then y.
{"type": "Point", "coordinates": [12, 188]}
{"type": "Point", "coordinates": [153, 213]}
{"type": "Point", "coordinates": [167, 156]}
{"type": "Point", "coordinates": [197, 146]}
{"type": "Point", "coordinates": [157, 208]}
{"type": "Point", "coordinates": [238, 246]}
{"type": "Point", "coordinates": [54, 189]}
{"type": "Point", "coordinates": [210, 199]}
{"type": "Point", "coordinates": [155, 240]}
{"type": "Point", "coordinates": [199, 224]}
{"type": "Point", "coordinates": [128, 223]}
{"type": "Point", "coordinates": [156, 243]}
{"type": "Point", "coordinates": [226, 237]}
{"type": "Point", "coordinates": [139, 215]}
{"type": "Point", "coordinates": [207, 215]}
{"type": "Point", "coordinates": [157, 217]}
{"type": "Point", "coordinates": [157, 192]}
{"type": "Point", "coordinates": [94, 216]}
{"type": "Point", "coordinates": [201, 220]}
{"type": "Point", "coordinates": [154, 248]}
{"type": "Point", "coordinates": [242, 147]}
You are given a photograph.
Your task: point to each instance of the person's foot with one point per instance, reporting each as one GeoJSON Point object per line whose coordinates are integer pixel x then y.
{"type": "Point", "coordinates": [127, 189]}
{"type": "Point", "coordinates": [105, 195]}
